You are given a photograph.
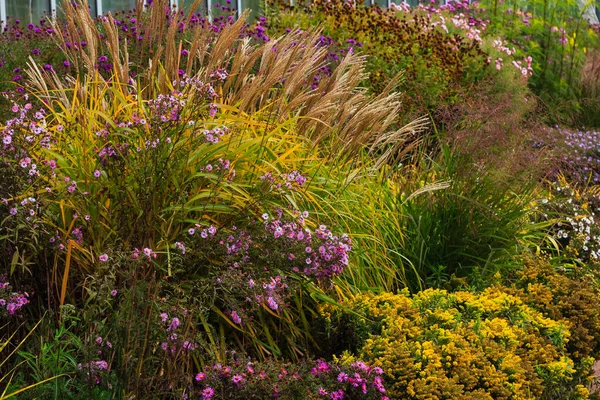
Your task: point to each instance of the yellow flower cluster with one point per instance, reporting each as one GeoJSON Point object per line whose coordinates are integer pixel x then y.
{"type": "Point", "coordinates": [441, 345]}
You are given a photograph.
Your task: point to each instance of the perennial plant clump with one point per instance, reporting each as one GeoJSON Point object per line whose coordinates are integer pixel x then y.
{"type": "Point", "coordinates": [574, 213]}
{"type": "Point", "coordinates": [10, 301]}
{"type": "Point", "coordinates": [465, 345]}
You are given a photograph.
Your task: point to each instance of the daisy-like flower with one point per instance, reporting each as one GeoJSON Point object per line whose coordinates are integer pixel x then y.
{"type": "Point", "coordinates": [237, 379]}
{"type": "Point", "coordinates": [208, 393]}
{"type": "Point", "coordinates": [200, 376]}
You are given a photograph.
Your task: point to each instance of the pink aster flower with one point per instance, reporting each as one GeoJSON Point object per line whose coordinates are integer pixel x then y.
{"type": "Point", "coordinates": [272, 304]}
{"type": "Point", "coordinates": [236, 318]}
{"type": "Point", "coordinates": [200, 376]}
{"type": "Point", "coordinates": [237, 379]}
{"type": "Point", "coordinates": [208, 393]}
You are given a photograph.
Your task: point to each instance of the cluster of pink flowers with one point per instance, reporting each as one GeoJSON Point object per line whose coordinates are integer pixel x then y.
{"type": "Point", "coordinates": [146, 252]}
{"type": "Point", "coordinates": [167, 108]}
{"type": "Point", "coordinates": [193, 87]}
{"type": "Point", "coordinates": [292, 180]}
{"type": "Point", "coordinates": [28, 206]}
{"type": "Point", "coordinates": [204, 233]}
{"type": "Point", "coordinates": [174, 341]}
{"type": "Point", "coordinates": [213, 135]}
{"type": "Point", "coordinates": [320, 254]}
{"type": "Point", "coordinates": [31, 125]}
{"type": "Point", "coordinates": [563, 34]}
{"type": "Point", "coordinates": [470, 27]}
{"type": "Point", "coordinates": [11, 301]}
{"type": "Point", "coordinates": [92, 369]}
{"type": "Point", "coordinates": [524, 66]}
{"type": "Point", "coordinates": [322, 380]}
{"type": "Point", "coordinates": [269, 292]}
{"type": "Point", "coordinates": [359, 379]}
{"type": "Point", "coordinates": [220, 74]}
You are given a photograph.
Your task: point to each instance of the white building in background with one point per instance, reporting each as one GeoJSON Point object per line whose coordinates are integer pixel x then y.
{"type": "Point", "coordinates": [32, 11]}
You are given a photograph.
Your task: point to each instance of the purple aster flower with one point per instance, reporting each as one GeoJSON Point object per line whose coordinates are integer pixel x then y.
{"type": "Point", "coordinates": [236, 318]}
{"type": "Point", "coordinates": [208, 393]}
{"type": "Point", "coordinates": [200, 376]}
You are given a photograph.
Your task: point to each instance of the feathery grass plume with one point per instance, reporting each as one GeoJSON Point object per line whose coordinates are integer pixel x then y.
{"type": "Point", "coordinates": [275, 76]}
{"type": "Point", "coordinates": [80, 40]}
{"type": "Point", "coordinates": [337, 110]}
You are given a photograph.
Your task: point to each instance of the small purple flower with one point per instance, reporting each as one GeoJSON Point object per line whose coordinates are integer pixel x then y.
{"type": "Point", "coordinates": [236, 318]}
{"type": "Point", "coordinates": [272, 303]}
{"type": "Point", "coordinates": [113, 292]}
{"type": "Point", "coordinates": [200, 376]}
{"type": "Point", "coordinates": [174, 324]}
{"type": "Point", "coordinates": [103, 258]}
{"type": "Point", "coordinates": [164, 317]}
{"type": "Point", "coordinates": [208, 393]}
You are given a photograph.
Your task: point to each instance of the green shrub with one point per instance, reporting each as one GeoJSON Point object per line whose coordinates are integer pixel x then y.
{"type": "Point", "coordinates": [474, 223]}
{"type": "Point", "coordinates": [557, 38]}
